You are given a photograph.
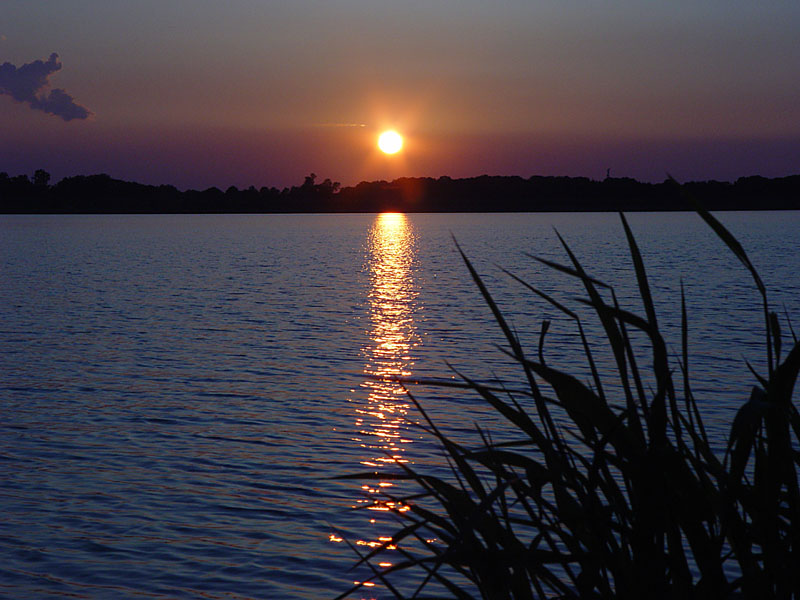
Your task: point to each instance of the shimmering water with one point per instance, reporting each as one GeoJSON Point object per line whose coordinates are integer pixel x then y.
{"type": "Point", "coordinates": [178, 391]}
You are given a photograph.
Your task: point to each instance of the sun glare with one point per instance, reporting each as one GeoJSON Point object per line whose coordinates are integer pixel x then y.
{"type": "Point", "coordinates": [390, 142]}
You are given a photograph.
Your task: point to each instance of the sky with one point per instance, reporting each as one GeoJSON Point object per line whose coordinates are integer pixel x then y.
{"type": "Point", "coordinates": [199, 93]}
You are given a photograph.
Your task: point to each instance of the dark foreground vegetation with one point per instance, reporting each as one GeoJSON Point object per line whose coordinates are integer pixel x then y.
{"type": "Point", "coordinates": [612, 488]}
{"type": "Point", "coordinates": [103, 194]}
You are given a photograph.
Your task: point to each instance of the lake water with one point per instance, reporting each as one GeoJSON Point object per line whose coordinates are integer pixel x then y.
{"type": "Point", "coordinates": [178, 391]}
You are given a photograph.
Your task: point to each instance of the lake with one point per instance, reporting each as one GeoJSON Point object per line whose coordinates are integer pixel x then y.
{"type": "Point", "coordinates": [178, 391]}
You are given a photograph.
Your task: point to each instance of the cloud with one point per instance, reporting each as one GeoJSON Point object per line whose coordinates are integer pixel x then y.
{"type": "Point", "coordinates": [340, 124]}
{"type": "Point", "coordinates": [28, 82]}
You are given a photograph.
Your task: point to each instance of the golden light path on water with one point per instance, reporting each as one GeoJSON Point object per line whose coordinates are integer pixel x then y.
{"type": "Point", "coordinates": [380, 420]}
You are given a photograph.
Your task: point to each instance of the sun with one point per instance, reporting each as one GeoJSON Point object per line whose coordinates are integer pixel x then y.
{"type": "Point", "coordinates": [390, 142]}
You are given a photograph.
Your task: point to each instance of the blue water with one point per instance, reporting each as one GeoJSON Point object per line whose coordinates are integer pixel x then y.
{"type": "Point", "coordinates": [178, 391]}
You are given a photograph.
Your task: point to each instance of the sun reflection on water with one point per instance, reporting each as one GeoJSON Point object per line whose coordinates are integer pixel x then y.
{"type": "Point", "coordinates": [383, 432]}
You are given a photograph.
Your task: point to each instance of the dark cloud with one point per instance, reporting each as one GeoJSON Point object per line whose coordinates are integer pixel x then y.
{"type": "Point", "coordinates": [28, 82]}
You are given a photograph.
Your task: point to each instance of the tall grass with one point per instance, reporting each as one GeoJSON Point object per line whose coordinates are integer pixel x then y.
{"type": "Point", "coordinates": [627, 499]}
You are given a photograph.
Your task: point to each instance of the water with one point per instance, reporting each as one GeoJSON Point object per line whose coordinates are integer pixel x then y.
{"type": "Point", "coordinates": [178, 391]}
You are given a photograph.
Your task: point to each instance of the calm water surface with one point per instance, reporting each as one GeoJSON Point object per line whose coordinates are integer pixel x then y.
{"type": "Point", "coordinates": [178, 391]}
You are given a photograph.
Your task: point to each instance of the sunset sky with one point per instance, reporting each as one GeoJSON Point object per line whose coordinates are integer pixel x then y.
{"type": "Point", "coordinates": [198, 93]}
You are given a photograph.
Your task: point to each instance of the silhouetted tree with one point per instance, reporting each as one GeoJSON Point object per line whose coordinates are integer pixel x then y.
{"type": "Point", "coordinates": [41, 178]}
{"type": "Point", "coordinates": [309, 180]}
{"type": "Point", "coordinates": [329, 187]}
{"type": "Point", "coordinates": [103, 194]}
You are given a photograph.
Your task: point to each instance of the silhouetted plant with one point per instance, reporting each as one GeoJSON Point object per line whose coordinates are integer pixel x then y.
{"type": "Point", "coordinates": [629, 499]}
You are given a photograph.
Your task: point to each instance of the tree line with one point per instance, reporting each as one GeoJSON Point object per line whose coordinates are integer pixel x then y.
{"type": "Point", "coordinates": [24, 194]}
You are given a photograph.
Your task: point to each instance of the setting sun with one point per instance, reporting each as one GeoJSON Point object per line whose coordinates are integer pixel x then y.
{"type": "Point", "coordinates": [390, 142]}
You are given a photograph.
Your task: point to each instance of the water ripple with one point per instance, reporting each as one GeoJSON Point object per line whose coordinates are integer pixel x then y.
{"type": "Point", "coordinates": [178, 391]}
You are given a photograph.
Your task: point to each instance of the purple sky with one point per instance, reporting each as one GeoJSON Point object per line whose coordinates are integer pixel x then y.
{"type": "Point", "coordinates": [199, 93]}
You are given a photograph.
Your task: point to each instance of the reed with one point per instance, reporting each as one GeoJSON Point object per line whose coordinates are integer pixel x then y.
{"type": "Point", "coordinates": [628, 499]}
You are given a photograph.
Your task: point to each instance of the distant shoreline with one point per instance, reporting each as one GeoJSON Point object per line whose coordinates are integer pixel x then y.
{"type": "Point", "coordinates": [101, 194]}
